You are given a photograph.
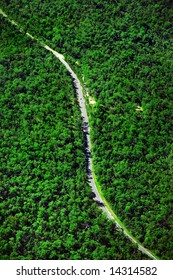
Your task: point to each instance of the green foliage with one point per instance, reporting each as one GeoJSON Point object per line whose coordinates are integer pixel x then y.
{"type": "Point", "coordinates": [45, 200]}
{"type": "Point", "coordinates": [124, 50]}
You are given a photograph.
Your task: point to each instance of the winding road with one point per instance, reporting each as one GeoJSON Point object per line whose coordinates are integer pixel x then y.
{"type": "Point", "coordinates": [86, 129]}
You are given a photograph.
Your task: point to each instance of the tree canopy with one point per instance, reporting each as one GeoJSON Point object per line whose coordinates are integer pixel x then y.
{"type": "Point", "coordinates": [124, 51]}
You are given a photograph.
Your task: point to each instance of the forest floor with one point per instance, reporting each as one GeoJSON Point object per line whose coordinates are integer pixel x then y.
{"type": "Point", "coordinates": [91, 101]}
{"type": "Point", "coordinates": [98, 196]}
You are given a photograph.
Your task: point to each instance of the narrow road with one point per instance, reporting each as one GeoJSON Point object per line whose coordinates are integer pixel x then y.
{"type": "Point", "coordinates": [86, 130]}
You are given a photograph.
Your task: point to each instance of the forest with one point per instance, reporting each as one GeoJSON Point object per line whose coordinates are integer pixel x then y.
{"type": "Point", "coordinates": [124, 51]}
{"type": "Point", "coordinates": [46, 205]}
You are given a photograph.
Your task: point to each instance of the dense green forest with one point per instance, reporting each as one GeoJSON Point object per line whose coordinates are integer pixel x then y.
{"type": "Point", "coordinates": [124, 51]}
{"type": "Point", "coordinates": [46, 205]}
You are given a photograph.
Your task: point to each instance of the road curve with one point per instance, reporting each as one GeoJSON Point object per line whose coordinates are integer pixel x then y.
{"type": "Point", "coordinates": [86, 130]}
